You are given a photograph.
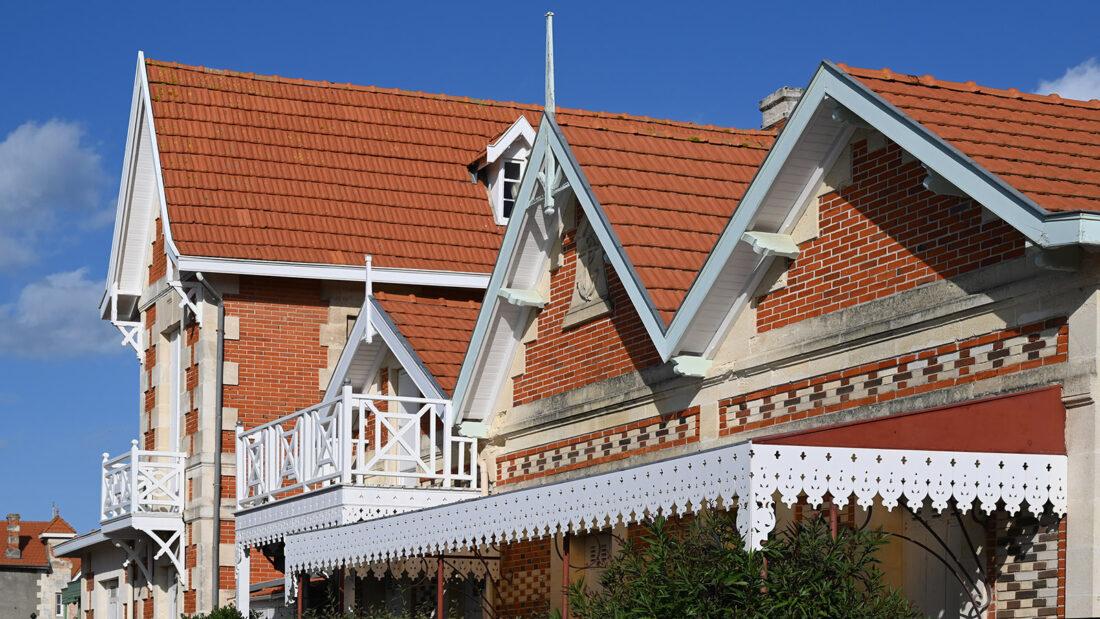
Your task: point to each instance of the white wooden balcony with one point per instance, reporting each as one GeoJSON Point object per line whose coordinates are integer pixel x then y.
{"type": "Point", "coordinates": [142, 485]}
{"type": "Point", "coordinates": [352, 458]}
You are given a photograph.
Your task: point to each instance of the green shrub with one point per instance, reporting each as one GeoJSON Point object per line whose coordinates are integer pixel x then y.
{"type": "Point", "coordinates": [703, 570]}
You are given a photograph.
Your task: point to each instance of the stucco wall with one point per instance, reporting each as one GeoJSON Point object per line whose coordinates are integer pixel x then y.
{"type": "Point", "coordinates": [18, 593]}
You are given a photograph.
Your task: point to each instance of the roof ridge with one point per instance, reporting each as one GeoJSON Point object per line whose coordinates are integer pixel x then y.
{"type": "Point", "coordinates": [932, 82]}
{"type": "Point", "coordinates": [454, 98]}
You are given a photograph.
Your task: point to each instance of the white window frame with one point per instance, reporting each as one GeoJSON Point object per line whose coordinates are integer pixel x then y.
{"type": "Point", "coordinates": [58, 605]}
{"type": "Point", "coordinates": [513, 146]}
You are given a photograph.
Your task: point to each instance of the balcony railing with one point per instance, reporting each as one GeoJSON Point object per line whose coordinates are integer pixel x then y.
{"type": "Point", "coordinates": [142, 482]}
{"type": "Point", "coordinates": [358, 439]}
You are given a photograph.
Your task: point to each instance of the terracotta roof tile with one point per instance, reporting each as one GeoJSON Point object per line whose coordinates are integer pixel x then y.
{"type": "Point", "coordinates": [33, 549]}
{"type": "Point", "coordinates": [1046, 147]}
{"type": "Point", "coordinates": [667, 188]}
{"type": "Point", "coordinates": [273, 168]}
{"type": "Point", "coordinates": [438, 327]}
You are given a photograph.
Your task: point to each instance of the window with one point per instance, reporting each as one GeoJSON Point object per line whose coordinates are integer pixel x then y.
{"type": "Point", "coordinates": [58, 607]}
{"type": "Point", "coordinates": [510, 177]}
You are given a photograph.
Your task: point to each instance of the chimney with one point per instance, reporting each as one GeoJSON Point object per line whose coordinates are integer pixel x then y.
{"type": "Point", "coordinates": [11, 548]}
{"type": "Point", "coordinates": [776, 108]}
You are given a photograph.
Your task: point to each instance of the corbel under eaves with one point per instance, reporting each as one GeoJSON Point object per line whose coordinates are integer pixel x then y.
{"type": "Point", "coordinates": [523, 298]}
{"type": "Point", "coordinates": [939, 185]}
{"type": "Point", "coordinates": [772, 244]}
{"type": "Point", "coordinates": [691, 365]}
{"type": "Point", "coordinates": [190, 294]}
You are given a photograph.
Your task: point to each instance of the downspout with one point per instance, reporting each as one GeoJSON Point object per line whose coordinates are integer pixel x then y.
{"type": "Point", "coordinates": [218, 411]}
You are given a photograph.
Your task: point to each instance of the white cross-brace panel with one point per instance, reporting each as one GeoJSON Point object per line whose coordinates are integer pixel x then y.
{"type": "Point", "coordinates": [751, 473]}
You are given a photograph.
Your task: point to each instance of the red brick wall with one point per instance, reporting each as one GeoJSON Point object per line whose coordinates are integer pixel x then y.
{"type": "Point", "coordinates": [615, 443]}
{"type": "Point", "coordinates": [262, 569]}
{"type": "Point", "coordinates": [884, 234]}
{"type": "Point", "coordinates": [158, 268]}
{"type": "Point", "coordinates": [279, 352]}
{"type": "Point", "coordinates": [524, 586]}
{"type": "Point", "coordinates": [563, 359]}
{"type": "Point", "coordinates": [149, 397]}
{"type": "Point", "coordinates": [938, 367]}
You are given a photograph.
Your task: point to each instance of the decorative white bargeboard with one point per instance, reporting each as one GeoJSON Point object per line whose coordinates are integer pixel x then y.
{"type": "Point", "coordinates": [746, 473]}
{"type": "Point", "coordinates": [365, 440]}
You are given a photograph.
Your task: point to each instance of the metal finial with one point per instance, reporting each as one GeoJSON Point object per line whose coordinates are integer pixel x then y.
{"type": "Point", "coordinates": [549, 107]}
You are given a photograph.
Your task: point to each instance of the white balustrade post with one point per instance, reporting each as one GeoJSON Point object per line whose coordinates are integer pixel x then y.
{"type": "Point", "coordinates": [271, 438]}
{"type": "Point", "coordinates": [447, 429]}
{"type": "Point", "coordinates": [133, 476]}
{"type": "Point", "coordinates": [244, 579]}
{"type": "Point", "coordinates": [473, 464]}
{"type": "Point", "coordinates": [104, 489]}
{"type": "Point", "coordinates": [242, 466]}
{"type": "Point", "coordinates": [344, 429]}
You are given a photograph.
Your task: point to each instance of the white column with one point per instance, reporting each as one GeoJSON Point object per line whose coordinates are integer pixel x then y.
{"type": "Point", "coordinates": [244, 579]}
{"type": "Point", "coordinates": [1082, 440]}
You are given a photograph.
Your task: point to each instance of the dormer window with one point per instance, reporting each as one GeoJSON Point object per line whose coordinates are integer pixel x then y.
{"type": "Point", "coordinates": [503, 166]}
{"type": "Point", "coordinates": [513, 172]}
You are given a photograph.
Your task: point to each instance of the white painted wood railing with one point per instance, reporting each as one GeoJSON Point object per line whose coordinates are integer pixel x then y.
{"type": "Point", "coordinates": [142, 482]}
{"type": "Point", "coordinates": [360, 439]}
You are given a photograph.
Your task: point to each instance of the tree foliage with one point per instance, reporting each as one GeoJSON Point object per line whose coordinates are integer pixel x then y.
{"type": "Point", "coordinates": [703, 570]}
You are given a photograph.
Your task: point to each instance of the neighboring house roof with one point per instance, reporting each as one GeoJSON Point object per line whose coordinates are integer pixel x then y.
{"type": "Point", "coordinates": [437, 328]}
{"type": "Point", "coordinates": [667, 188]}
{"type": "Point", "coordinates": [1044, 146]}
{"type": "Point", "coordinates": [33, 550]}
{"type": "Point", "coordinates": [58, 527]}
{"type": "Point", "coordinates": [271, 168]}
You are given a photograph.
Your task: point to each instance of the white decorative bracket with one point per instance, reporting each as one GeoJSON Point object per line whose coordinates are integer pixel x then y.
{"type": "Point", "coordinates": [130, 550]}
{"type": "Point", "coordinates": [473, 429]}
{"type": "Point", "coordinates": [131, 331]}
{"type": "Point", "coordinates": [939, 185]}
{"type": "Point", "coordinates": [190, 294]}
{"type": "Point", "coordinates": [691, 365]}
{"type": "Point", "coordinates": [523, 298]}
{"type": "Point", "coordinates": [843, 115]}
{"type": "Point", "coordinates": [172, 546]}
{"type": "Point", "coordinates": [131, 335]}
{"type": "Point", "coordinates": [771, 244]}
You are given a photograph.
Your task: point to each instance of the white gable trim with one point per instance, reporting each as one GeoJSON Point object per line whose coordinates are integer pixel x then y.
{"type": "Point", "coordinates": [831, 86]}
{"type": "Point", "coordinates": [520, 129]}
{"type": "Point", "coordinates": [141, 128]}
{"type": "Point", "coordinates": [474, 364]}
{"type": "Point", "coordinates": [396, 343]}
{"type": "Point", "coordinates": [333, 272]}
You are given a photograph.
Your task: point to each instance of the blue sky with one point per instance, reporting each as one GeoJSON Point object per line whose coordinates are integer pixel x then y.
{"type": "Point", "coordinates": [68, 391]}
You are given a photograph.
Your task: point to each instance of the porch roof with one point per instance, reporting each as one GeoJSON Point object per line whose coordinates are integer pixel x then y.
{"type": "Point", "coordinates": [747, 475]}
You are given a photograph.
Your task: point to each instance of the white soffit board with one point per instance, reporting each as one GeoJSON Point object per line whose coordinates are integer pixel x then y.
{"type": "Point", "coordinates": [333, 272]}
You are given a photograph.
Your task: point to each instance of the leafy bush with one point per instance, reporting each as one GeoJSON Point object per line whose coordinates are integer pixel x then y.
{"type": "Point", "coordinates": [222, 612]}
{"type": "Point", "coordinates": [703, 570]}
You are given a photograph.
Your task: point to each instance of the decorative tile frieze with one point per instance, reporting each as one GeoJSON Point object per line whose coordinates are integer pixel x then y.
{"type": "Point", "coordinates": [594, 448]}
{"type": "Point", "coordinates": [939, 367]}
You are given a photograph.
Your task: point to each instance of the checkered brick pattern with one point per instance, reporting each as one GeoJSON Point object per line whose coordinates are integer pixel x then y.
{"type": "Point", "coordinates": [1028, 566]}
{"type": "Point", "coordinates": [974, 359]}
{"type": "Point", "coordinates": [608, 445]}
{"type": "Point", "coordinates": [524, 585]}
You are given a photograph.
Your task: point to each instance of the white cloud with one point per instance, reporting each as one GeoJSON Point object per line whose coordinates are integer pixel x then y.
{"type": "Point", "coordinates": [55, 317]}
{"type": "Point", "coordinates": [47, 171]}
{"type": "Point", "coordinates": [1079, 82]}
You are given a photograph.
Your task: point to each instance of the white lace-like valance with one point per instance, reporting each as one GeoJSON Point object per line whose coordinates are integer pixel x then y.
{"type": "Point", "coordinates": [748, 474]}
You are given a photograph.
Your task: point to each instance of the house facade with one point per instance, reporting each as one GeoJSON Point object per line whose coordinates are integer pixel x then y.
{"type": "Point", "coordinates": [32, 573]}
{"type": "Point", "coordinates": [402, 350]}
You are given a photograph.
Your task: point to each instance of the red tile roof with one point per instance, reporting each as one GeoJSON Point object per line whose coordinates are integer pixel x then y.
{"type": "Point", "coordinates": [281, 169]}
{"type": "Point", "coordinates": [667, 188]}
{"type": "Point", "coordinates": [438, 325]}
{"type": "Point", "coordinates": [1046, 147]}
{"type": "Point", "coordinates": [292, 170]}
{"type": "Point", "coordinates": [33, 549]}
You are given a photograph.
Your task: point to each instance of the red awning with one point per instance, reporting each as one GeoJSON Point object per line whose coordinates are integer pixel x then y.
{"type": "Point", "coordinates": [1031, 422]}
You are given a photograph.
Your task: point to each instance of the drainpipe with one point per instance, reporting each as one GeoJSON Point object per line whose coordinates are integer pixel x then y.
{"type": "Point", "coordinates": [214, 572]}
